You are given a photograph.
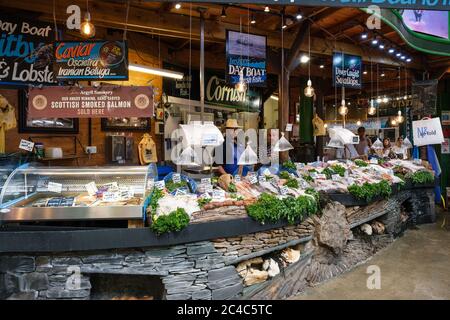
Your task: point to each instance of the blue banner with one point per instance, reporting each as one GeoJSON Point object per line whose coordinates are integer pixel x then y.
{"type": "Point", "coordinates": [347, 70]}
{"type": "Point", "coordinates": [246, 58]}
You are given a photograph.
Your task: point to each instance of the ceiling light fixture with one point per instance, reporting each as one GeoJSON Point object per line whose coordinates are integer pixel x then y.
{"type": "Point", "coordinates": [156, 71]}
{"type": "Point", "coordinates": [309, 90]}
{"type": "Point", "coordinates": [321, 66]}
{"type": "Point", "coordinates": [364, 35]}
{"type": "Point", "coordinates": [403, 57]}
{"type": "Point", "coordinates": [381, 46]}
{"type": "Point", "coordinates": [87, 29]}
{"type": "Point", "coordinates": [253, 20]}
{"type": "Point", "coordinates": [178, 6]}
{"type": "Point", "coordinates": [224, 13]}
{"type": "Point", "coordinates": [408, 60]}
{"type": "Point", "coordinates": [391, 50]}
{"type": "Point", "coordinates": [267, 9]}
{"type": "Point", "coordinates": [398, 54]}
{"type": "Point", "coordinates": [304, 58]}
{"type": "Point", "coordinates": [364, 72]}
{"type": "Point", "coordinates": [375, 41]}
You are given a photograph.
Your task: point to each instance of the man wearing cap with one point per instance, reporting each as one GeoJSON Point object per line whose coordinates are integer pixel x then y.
{"type": "Point", "coordinates": [232, 150]}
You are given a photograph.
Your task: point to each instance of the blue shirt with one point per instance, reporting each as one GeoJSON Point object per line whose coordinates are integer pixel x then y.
{"type": "Point", "coordinates": [233, 168]}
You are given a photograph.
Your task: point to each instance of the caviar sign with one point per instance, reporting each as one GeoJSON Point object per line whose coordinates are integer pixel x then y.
{"type": "Point", "coordinates": [25, 52]}
{"type": "Point", "coordinates": [91, 60]}
{"type": "Point", "coordinates": [90, 102]}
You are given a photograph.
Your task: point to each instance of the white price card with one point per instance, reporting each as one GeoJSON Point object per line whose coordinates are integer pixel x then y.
{"type": "Point", "coordinates": [160, 184]}
{"type": "Point", "coordinates": [237, 178]}
{"type": "Point", "coordinates": [209, 188]}
{"type": "Point", "coordinates": [176, 178]}
{"type": "Point", "coordinates": [112, 186]}
{"type": "Point", "coordinates": [218, 194]}
{"type": "Point", "coordinates": [289, 127]}
{"type": "Point", "coordinates": [283, 190]}
{"type": "Point", "coordinates": [54, 187]}
{"type": "Point", "coordinates": [111, 196]}
{"type": "Point", "coordinates": [321, 176]}
{"type": "Point", "coordinates": [26, 145]}
{"type": "Point", "coordinates": [313, 175]}
{"type": "Point", "coordinates": [181, 192]}
{"type": "Point", "coordinates": [205, 181]}
{"type": "Point", "coordinates": [253, 179]}
{"type": "Point", "coordinates": [262, 178]}
{"type": "Point", "coordinates": [335, 177]}
{"type": "Point", "coordinates": [374, 161]}
{"type": "Point", "coordinates": [91, 188]}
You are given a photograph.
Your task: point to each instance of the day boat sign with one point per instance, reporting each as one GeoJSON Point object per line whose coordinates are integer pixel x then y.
{"type": "Point", "coordinates": [91, 60]}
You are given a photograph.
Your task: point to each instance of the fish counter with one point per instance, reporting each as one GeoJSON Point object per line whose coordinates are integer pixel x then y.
{"type": "Point", "coordinates": [264, 236]}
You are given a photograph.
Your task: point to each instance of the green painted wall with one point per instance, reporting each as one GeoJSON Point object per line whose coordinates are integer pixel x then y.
{"type": "Point", "coordinates": [306, 116]}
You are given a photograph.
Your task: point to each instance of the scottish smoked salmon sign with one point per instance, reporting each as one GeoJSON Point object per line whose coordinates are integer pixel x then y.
{"type": "Point", "coordinates": [25, 52]}
{"type": "Point", "coordinates": [90, 102]}
{"type": "Point", "coordinates": [91, 60]}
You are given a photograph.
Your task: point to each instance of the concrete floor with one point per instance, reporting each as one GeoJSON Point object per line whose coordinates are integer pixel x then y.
{"type": "Point", "coordinates": [415, 266]}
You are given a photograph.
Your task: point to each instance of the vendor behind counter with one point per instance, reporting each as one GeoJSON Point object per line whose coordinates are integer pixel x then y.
{"type": "Point", "coordinates": [230, 165]}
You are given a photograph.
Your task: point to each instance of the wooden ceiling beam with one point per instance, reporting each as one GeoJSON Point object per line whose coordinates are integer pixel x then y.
{"type": "Point", "coordinates": [112, 15]}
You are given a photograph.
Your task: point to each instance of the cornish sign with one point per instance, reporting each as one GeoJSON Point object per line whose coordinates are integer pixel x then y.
{"type": "Point", "coordinates": [392, 4]}
{"type": "Point", "coordinates": [25, 52]}
{"type": "Point", "coordinates": [90, 102]}
{"type": "Point", "coordinates": [347, 70]}
{"type": "Point", "coordinates": [246, 58]}
{"type": "Point", "coordinates": [91, 60]}
{"type": "Point", "coordinates": [217, 91]}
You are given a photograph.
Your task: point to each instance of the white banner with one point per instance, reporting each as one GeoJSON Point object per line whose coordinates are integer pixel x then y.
{"type": "Point", "coordinates": [427, 132]}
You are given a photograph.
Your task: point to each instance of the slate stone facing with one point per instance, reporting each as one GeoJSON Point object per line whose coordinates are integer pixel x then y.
{"type": "Point", "coordinates": [202, 270]}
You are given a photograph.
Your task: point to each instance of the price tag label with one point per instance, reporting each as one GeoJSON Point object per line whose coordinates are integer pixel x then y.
{"type": "Point", "coordinates": [26, 145]}
{"type": "Point", "coordinates": [209, 139]}
{"type": "Point", "coordinates": [54, 187]}
{"type": "Point", "coordinates": [262, 178]}
{"type": "Point", "coordinates": [335, 177]}
{"type": "Point", "coordinates": [374, 161]}
{"type": "Point", "coordinates": [289, 127]}
{"type": "Point", "coordinates": [304, 184]}
{"type": "Point", "coordinates": [267, 172]}
{"type": "Point", "coordinates": [91, 188]}
{"type": "Point", "coordinates": [284, 190]}
{"type": "Point", "coordinates": [150, 184]}
{"type": "Point", "coordinates": [313, 175]}
{"type": "Point", "coordinates": [125, 194]}
{"type": "Point", "coordinates": [112, 186]}
{"type": "Point", "coordinates": [321, 176]}
{"type": "Point", "coordinates": [111, 196]}
{"type": "Point", "coordinates": [218, 194]}
{"type": "Point", "coordinates": [253, 179]}
{"type": "Point", "coordinates": [205, 196]}
{"type": "Point", "coordinates": [205, 181]}
{"type": "Point", "coordinates": [181, 192]}
{"type": "Point", "coordinates": [176, 178]}
{"type": "Point", "coordinates": [160, 184]}
{"type": "Point", "coordinates": [237, 178]}
{"type": "Point", "coordinates": [300, 165]}
{"type": "Point", "coordinates": [209, 189]}
{"type": "Point", "coordinates": [417, 161]}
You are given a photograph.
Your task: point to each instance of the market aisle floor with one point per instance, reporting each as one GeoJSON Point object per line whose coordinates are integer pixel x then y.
{"type": "Point", "coordinates": [415, 266]}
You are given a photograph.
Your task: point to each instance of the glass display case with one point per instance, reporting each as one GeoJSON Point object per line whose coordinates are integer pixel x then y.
{"type": "Point", "coordinates": [36, 193]}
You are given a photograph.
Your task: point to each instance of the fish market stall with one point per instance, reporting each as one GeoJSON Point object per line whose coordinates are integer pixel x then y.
{"type": "Point", "coordinates": [232, 236]}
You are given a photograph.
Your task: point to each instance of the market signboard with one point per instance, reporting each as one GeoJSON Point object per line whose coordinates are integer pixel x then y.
{"type": "Point", "coordinates": [347, 70]}
{"type": "Point", "coordinates": [246, 58]}
{"type": "Point", "coordinates": [25, 52]}
{"type": "Point", "coordinates": [90, 102]}
{"type": "Point", "coordinates": [217, 90]}
{"type": "Point", "coordinates": [91, 60]}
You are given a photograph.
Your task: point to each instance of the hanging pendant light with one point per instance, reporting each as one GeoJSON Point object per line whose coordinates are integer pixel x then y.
{"type": "Point", "coordinates": [343, 110]}
{"type": "Point", "coordinates": [241, 86]}
{"type": "Point", "coordinates": [87, 29]}
{"type": "Point", "coordinates": [400, 118]}
{"type": "Point", "coordinates": [393, 122]}
{"type": "Point", "coordinates": [309, 90]}
{"type": "Point", "coordinates": [372, 110]}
